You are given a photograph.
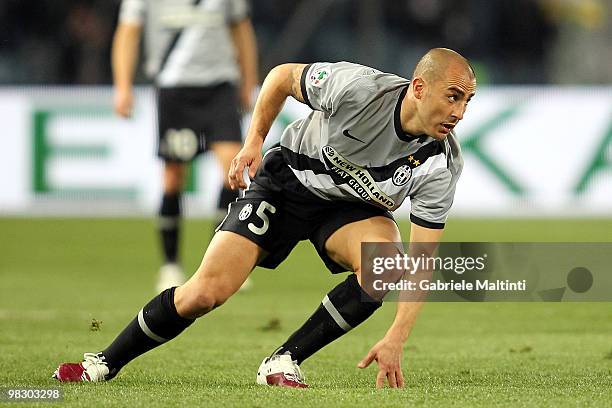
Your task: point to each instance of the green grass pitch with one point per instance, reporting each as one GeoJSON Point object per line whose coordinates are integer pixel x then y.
{"type": "Point", "coordinates": [56, 275]}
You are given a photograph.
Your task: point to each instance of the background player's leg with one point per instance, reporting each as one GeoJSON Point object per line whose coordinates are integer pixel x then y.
{"type": "Point", "coordinates": [169, 222]}
{"type": "Point", "coordinates": [225, 152]}
{"type": "Point", "coordinates": [227, 263]}
{"type": "Point", "coordinates": [343, 308]}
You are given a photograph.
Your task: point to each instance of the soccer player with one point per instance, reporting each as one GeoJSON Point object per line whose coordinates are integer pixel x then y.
{"type": "Point", "coordinates": [372, 140]}
{"type": "Point", "coordinates": [203, 58]}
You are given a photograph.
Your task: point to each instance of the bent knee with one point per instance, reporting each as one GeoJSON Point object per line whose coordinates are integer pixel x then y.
{"type": "Point", "coordinates": [375, 248]}
{"type": "Point", "coordinates": [174, 177]}
{"type": "Point", "coordinates": [192, 302]}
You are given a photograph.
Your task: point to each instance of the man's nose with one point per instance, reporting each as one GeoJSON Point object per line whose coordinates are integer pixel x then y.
{"type": "Point", "coordinates": [459, 111]}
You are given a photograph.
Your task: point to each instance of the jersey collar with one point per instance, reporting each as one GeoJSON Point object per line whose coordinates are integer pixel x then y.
{"type": "Point", "coordinates": [403, 136]}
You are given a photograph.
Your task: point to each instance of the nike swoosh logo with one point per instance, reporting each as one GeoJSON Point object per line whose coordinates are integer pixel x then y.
{"type": "Point", "coordinates": [347, 134]}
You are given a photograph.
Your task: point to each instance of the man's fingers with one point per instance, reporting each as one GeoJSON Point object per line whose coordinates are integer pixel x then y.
{"type": "Point", "coordinates": [400, 378]}
{"type": "Point", "coordinates": [230, 178]}
{"type": "Point", "coordinates": [235, 174]}
{"type": "Point", "coordinates": [123, 104]}
{"type": "Point", "coordinates": [240, 181]}
{"type": "Point", "coordinates": [253, 168]}
{"type": "Point", "coordinates": [380, 378]}
{"type": "Point", "coordinates": [123, 111]}
{"type": "Point", "coordinates": [367, 360]}
{"type": "Point", "coordinates": [391, 378]}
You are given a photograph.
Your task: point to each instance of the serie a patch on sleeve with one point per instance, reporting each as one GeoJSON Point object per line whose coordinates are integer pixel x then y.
{"type": "Point", "coordinates": [319, 76]}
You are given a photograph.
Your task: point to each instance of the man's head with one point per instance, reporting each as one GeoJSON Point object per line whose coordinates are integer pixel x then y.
{"type": "Point", "coordinates": [442, 84]}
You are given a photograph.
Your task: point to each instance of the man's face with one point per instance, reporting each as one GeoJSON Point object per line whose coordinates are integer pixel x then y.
{"type": "Point", "coordinates": [445, 101]}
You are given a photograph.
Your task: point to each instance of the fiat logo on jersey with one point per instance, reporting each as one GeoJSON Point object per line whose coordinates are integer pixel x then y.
{"type": "Point", "coordinates": [245, 212]}
{"type": "Point", "coordinates": [402, 175]}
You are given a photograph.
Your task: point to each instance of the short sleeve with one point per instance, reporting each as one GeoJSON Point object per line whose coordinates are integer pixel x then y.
{"type": "Point", "coordinates": [431, 203]}
{"type": "Point", "coordinates": [132, 12]}
{"type": "Point", "coordinates": [326, 86]}
{"type": "Point", "coordinates": [238, 10]}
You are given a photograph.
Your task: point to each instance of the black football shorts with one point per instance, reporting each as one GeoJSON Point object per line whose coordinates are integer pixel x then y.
{"type": "Point", "coordinates": [277, 212]}
{"type": "Point", "coordinates": [189, 119]}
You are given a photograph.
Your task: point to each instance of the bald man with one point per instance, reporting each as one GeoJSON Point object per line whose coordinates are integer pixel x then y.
{"type": "Point", "coordinates": [372, 140]}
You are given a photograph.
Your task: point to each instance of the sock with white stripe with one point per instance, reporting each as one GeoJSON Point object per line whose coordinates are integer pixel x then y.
{"type": "Point", "coordinates": [156, 323]}
{"type": "Point", "coordinates": [341, 310]}
{"type": "Point", "coordinates": [169, 223]}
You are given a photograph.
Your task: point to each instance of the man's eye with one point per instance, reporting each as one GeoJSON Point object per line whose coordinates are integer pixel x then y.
{"type": "Point", "coordinates": [452, 98]}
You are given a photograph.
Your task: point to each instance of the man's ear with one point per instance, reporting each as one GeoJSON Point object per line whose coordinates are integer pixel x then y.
{"type": "Point", "coordinates": [418, 87]}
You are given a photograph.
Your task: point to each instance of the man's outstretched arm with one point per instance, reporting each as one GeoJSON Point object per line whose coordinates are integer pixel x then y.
{"type": "Point", "coordinates": [388, 351]}
{"type": "Point", "coordinates": [281, 82]}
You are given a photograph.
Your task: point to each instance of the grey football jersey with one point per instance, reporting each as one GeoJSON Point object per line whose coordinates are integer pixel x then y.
{"type": "Point", "coordinates": [352, 147]}
{"type": "Point", "coordinates": [187, 42]}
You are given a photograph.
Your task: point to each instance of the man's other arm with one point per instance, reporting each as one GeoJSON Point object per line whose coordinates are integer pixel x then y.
{"type": "Point", "coordinates": [124, 59]}
{"type": "Point", "coordinates": [243, 37]}
{"type": "Point", "coordinates": [388, 351]}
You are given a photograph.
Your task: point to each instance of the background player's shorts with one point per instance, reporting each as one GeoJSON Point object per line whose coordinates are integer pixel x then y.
{"type": "Point", "coordinates": [277, 212]}
{"type": "Point", "coordinates": [191, 118]}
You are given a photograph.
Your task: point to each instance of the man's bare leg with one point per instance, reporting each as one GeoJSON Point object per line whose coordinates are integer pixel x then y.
{"type": "Point", "coordinates": [225, 152]}
{"type": "Point", "coordinates": [227, 263]}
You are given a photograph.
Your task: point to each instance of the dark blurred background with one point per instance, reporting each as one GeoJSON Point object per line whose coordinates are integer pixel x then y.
{"type": "Point", "coordinates": [509, 41]}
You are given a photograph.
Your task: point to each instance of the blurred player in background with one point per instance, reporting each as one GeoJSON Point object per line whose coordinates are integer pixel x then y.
{"type": "Point", "coordinates": [372, 140]}
{"type": "Point", "coordinates": [202, 55]}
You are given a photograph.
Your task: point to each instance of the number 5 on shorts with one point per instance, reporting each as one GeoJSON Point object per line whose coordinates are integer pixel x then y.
{"type": "Point", "coordinates": [263, 206]}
